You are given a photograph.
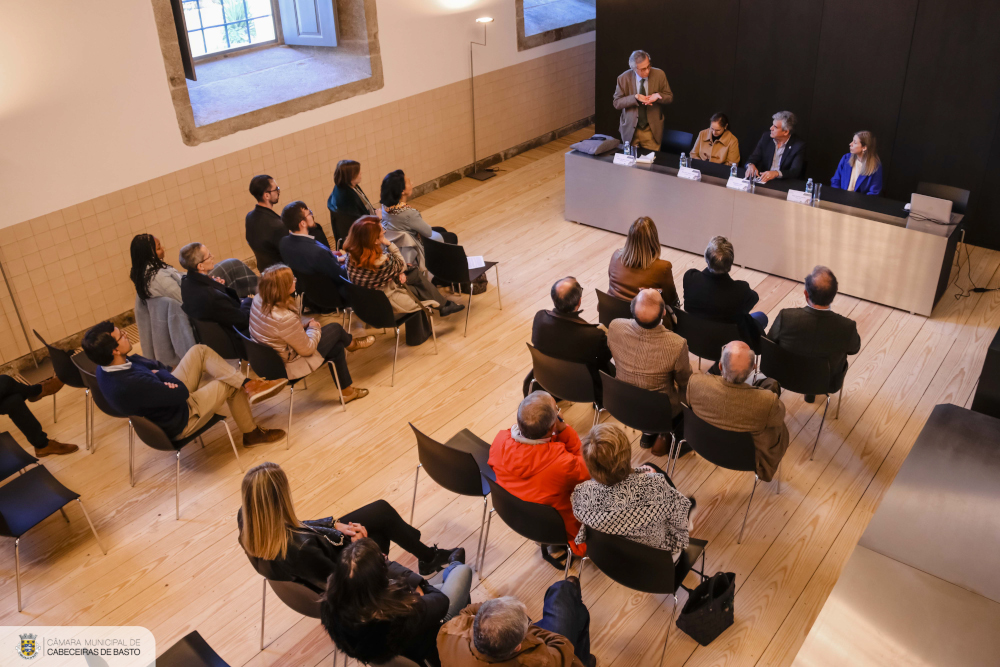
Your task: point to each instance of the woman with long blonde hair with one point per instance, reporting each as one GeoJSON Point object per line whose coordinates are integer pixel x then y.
{"type": "Point", "coordinates": [860, 170]}
{"type": "Point", "coordinates": [275, 321]}
{"type": "Point", "coordinates": [637, 265]}
{"type": "Point", "coordinates": [282, 547]}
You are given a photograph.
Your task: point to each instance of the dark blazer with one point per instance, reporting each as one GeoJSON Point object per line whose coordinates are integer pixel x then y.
{"type": "Point", "coordinates": [207, 300]}
{"type": "Point", "coordinates": [571, 338]}
{"type": "Point", "coordinates": [264, 231]}
{"type": "Point", "coordinates": [139, 391]}
{"type": "Point", "coordinates": [310, 256]}
{"type": "Point", "coordinates": [719, 298]}
{"type": "Point", "coordinates": [865, 185]}
{"type": "Point", "coordinates": [345, 200]}
{"type": "Point", "coordinates": [793, 160]}
{"type": "Point", "coordinates": [820, 333]}
{"type": "Point", "coordinates": [312, 554]}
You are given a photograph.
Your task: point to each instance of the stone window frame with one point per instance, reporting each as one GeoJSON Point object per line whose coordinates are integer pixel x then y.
{"type": "Point", "coordinates": [193, 135]}
{"type": "Point", "coordinates": [529, 42]}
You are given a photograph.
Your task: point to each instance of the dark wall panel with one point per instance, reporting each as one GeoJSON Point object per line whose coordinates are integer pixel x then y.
{"type": "Point", "coordinates": [860, 72]}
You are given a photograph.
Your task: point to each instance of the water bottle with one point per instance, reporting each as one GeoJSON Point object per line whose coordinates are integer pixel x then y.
{"type": "Point", "coordinates": [628, 149]}
{"type": "Point", "coordinates": [684, 160]}
{"type": "Point", "coordinates": [733, 171]}
{"type": "Point", "coordinates": [809, 187]}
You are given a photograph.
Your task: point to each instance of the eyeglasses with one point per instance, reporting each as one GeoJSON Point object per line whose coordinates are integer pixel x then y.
{"type": "Point", "coordinates": [276, 189]}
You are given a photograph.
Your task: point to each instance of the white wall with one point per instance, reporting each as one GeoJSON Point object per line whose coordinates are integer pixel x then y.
{"type": "Point", "coordinates": [85, 109]}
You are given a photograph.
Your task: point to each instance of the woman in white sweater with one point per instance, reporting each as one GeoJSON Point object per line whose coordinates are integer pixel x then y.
{"type": "Point", "coordinates": [152, 276]}
{"type": "Point", "coordinates": [304, 347]}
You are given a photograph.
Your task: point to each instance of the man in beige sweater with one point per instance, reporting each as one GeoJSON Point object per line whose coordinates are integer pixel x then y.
{"type": "Point", "coordinates": [727, 402]}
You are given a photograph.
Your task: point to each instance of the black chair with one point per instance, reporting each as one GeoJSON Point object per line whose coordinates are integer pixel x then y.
{"type": "Point", "coordinates": [732, 450]}
{"type": "Point", "coordinates": [644, 410]}
{"type": "Point", "coordinates": [643, 568]}
{"type": "Point", "coordinates": [958, 197]}
{"type": "Point", "coordinates": [800, 374]}
{"type": "Point", "coordinates": [341, 225]}
{"type": "Point", "coordinates": [373, 307]}
{"type": "Point", "coordinates": [321, 294]}
{"type": "Point", "coordinates": [191, 651]}
{"type": "Point", "coordinates": [217, 338]}
{"type": "Point", "coordinates": [154, 437]}
{"type": "Point", "coordinates": [612, 308]}
{"type": "Point", "coordinates": [705, 338]}
{"type": "Point", "coordinates": [30, 498]}
{"type": "Point", "coordinates": [569, 380]}
{"type": "Point", "coordinates": [449, 263]}
{"type": "Point", "coordinates": [266, 363]}
{"type": "Point", "coordinates": [456, 466]}
{"type": "Point", "coordinates": [88, 373]}
{"type": "Point", "coordinates": [297, 597]}
{"type": "Point", "coordinates": [64, 369]}
{"type": "Point", "coordinates": [534, 521]}
{"type": "Point", "coordinates": [675, 141]}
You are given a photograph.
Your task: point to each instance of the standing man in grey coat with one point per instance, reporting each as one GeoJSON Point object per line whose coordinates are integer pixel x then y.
{"type": "Point", "coordinates": [641, 92]}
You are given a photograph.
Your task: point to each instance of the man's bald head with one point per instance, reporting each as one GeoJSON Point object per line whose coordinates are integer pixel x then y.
{"type": "Point", "coordinates": [737, 362]}
{"type": "Point", "coordinates": [647, 308]}
{"type": "Point", "coordinates": [566, 295]}
{"type": "Point", "coordinates": [537, 415]}
{"type": "Point", "coordinates": [821, 286]}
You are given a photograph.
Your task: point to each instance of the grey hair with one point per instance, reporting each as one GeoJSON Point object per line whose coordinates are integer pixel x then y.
{"type": "Point", "coordinates": [637, 57]}
{"type": "Point", "coordinates": [719, 254]}
{"type": "Point", "coordinates": [499, 627]}
{"type": "Point", "coordinates": [729, 374]}
{"type": "Point", "coordinates": [536, 415]}
{"type": "Point", "coordinates": [191, 256]}
{"type": "Point", "coordinates": [788, 120]}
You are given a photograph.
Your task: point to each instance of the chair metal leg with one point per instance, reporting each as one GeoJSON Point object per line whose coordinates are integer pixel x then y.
{"type": "Point", "coordinates": [433, 332]}
{"type": "Point", "coordinates": [840, 397]}
{"type": "Point", "coordinates": [202, 441]}
{"type": "Point", "coordinates": [392, 382]}
{"type": "Point", "coordinates": [305, 383]}
{"type": "Point", "coordinates": [350, 318]}
{"type": "Point", "coordinates": [597, 414]}
{"type": "Point", "coordinates": [583, 564]}
{"type": "Point", "coordinates": [86, 418]}
{"type": "Point", "coordinates": [569, 562]}
{"type": "Point", "coordinates": [413, 506]}
{"type": "Point", "coordinates": [92, 529]}
{"type": "Point", "coordinates": [778, 475]}
{"type": "Point", "coordinates": [496, 267]}
{"type": "Point", "coordinates": [479, 542]}
{"type": "Point", "coordinates": [177, 487]}
{"type": "Point", "coordinates": [131, 454]}
{"type": "Point", "coordinates": [288, 433]}
{"type": "Point", "coordinates": [63, 512]}
{"type": "Point", "coordinates": [17, 570]}
{"type": "Point", "coordinates": [673, 610]}
{"type": "Point", "coordinates": [336, 381]}
{"type": "Point", "coordinates": [468, 311]}
{"type": "Point", "coordinates": [233, 443]}
{"type": "Point", "coordinates": [486, 538]}
{"type": "Point", "coordinates": [740, 539]}
{"type": "Point", "coordinates": [820, 431]}
{"type": "Point", "coordinates": [263, 608]}
{"type": "Point", "coordinates": [93, 442]}
{"type": "Point", "coordinates": [676, 455]}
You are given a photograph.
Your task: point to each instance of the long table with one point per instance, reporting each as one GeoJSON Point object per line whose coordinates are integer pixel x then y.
{"type": "Point", "coordinates": [863, 239]}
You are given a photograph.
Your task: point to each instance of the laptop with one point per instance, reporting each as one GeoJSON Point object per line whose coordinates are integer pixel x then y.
{"type": "Point", "coordinates": [924, 209]}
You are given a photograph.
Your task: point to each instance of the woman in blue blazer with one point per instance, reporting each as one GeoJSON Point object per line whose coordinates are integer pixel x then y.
{"type": "Point", "coordinates": [860, 170]}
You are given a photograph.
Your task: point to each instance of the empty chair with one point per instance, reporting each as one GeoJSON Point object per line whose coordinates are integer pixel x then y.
{"type": "Point", "coordinates": [644, 410]}
{"type": "Point", "coordinates": [30, 498]}
{"type": "Point", "coordinates": [449, 263]}
{"type": "Point", "coordinates": [800, 374]}
{"type": "Point", "coordinates": [64, 369]}
{"type": "Point", "coordinates": [705, 338]}
{"type": "Point", "coordinates": [612, 308]}
{"type": "Point", "coordinates": [154, 437]}
{"type": "Point", "coordinates": [731, 450]}
{"type": "Point", "coordinates": [320, 293]}
{"type": "Point", "coordinates": [456, 465]}
{"type": "Point", "coordinates": [569, 380]}
{"type": "Point", "coordinates": [297, 597]}
{"type": "Point", "coordinates": [218, 339]}
{"type": "Point", "coordinates": [88, 370]}
{"type": "Point", "coordinates": [958, 197]}
{"type": "Point", "coordinates": [373, 307]}
{"type": "Point", "coordinates": [537, 522]}
{"type": "Point", "coordinates": [676, 141]}
{"type": "Point", "coordinates": [643, 568]}
{"type": "Point", "coordinates": [191, 651]}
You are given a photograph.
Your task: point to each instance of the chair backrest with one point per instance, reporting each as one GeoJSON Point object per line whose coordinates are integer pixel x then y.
{"type": "Point", "coordinates": [569, 380]}
{"type": "Point", "coordinates": [88, 373]}
{"type": "Point", "coordinates": [454, 470]}
{"type": "Point", "coordinates": [676, 141]}
{"type": "Point", "coordinates": [298, 597]}
{"type": "Point", "coordinates": [12, 456]}
{"type": "Point", "coordinates": [705, 338]}
{"type": "Point", "coordinates": [371, 305]}
{"type": "Point", "coordinates": [152, 435]}
{"type": "Point", "coordinates": [795, 372]}
{"type": "Point", "coordinates": [398, 661]}
{"type": "Point", "coordinates": [341, 225]}
{"type": "Point", "coordinates": [321, 292]}
{"type": "Point", "coordinates": [958, 197]}
{"type": "Point", "coordinates": [62, 364]}
{"type": "Point", "coordinates": [191, 651]}
{"type": "Point", "coordinates": [637, 566]}
{"type": "Point", "coordinates": [534, 521]}
{"type": "Point", "coordinates": [263, 359]}
{"type": "Point", "coordinates": [217, 338]}
{"type": "Point", "coordinates": [612, 308]}
{"type": "Point", "coordinates": [641, 409]}
{"type": "Point", "coordinates": [446, 261]}
{"type": "Point", "coordinates": [732, 450]}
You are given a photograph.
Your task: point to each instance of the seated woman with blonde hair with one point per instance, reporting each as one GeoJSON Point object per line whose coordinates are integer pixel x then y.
{"type": "Point", "coordinates": [637, 265]}
{"type": "Point", "coordinates": [275, 321]}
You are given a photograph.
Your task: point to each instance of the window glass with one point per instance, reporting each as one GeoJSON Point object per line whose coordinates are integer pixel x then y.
{"type": "Point", "coordinates": [219, 25]}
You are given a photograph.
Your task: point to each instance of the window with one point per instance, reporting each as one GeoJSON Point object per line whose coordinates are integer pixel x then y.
{"type": "Point", "coordinates": [544, 21]}
{"type": "Point", "coordinates": [214, 26]}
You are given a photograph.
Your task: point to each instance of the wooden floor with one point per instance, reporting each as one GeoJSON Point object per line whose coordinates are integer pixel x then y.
{"type": "Point", "coordinates": [177, 576]}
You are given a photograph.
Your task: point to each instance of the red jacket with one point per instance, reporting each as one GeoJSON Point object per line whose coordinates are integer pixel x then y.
{"type": "Point", "coordinates": [545, 473]}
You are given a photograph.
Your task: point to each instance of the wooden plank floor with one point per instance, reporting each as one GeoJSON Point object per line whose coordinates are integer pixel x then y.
{"type": "Point", "coordinates": [176, 576]}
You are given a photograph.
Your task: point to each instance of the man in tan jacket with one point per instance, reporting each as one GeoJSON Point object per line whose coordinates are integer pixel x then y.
{"type": "Point", "coordinates": [641, 92]}
{"type": "Point", "coordinates": [499, 632]}
{"type": "Point", "coordinates": [727, 402]}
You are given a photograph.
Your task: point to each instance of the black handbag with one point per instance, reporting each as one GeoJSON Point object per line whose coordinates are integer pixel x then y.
{"type": "Point", "coordinates": [709, 609]}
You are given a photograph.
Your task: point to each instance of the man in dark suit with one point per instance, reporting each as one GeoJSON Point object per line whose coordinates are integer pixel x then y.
{"type": "Point", "coordinates": [713, 294]}
{"type": "Point", "coordinates": [306, 255]}
{"type": "Point", "coordinates": [779, 153]}
{"type": "Point", "coordinates": [207, 298]}
{"type": "Point", "coordinates": [640, 93]}
{"type": "Point", "coordinates": [264, 229]}
{"type": "Point", "coordinates": [816, 330]}
{"type": "Point", "coordinates": [563, 334]}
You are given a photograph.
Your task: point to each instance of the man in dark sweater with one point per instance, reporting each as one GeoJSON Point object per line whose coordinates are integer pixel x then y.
{"type": "Point", "coordinates": [207, 298]}
{"type": "Point", "coordinates": [264, 228]}
{"type": "Point", "coordinates": [135, 385]}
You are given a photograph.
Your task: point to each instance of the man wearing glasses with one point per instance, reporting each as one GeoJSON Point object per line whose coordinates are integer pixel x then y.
{"type": "Point", "coordinates": [264, 228]}
{"type": "Point", "coordinates": [640, 93]}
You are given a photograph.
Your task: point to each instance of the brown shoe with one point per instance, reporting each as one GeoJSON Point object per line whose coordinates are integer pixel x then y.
{"type": "Point", "coordinates": [360, 343]}
{"type": "Point", "coordinates": [661, 447]}
{"type": "Point", "coordinates": [49, 387]}
{"type": "Point", "coordinates": [262, 436]}
{"type": "Point", "coordinates": [356, 393]}
{"type": "Point", "coordinates": [258, 390]}
{"type": "Point", "coordinates": [55, 448]}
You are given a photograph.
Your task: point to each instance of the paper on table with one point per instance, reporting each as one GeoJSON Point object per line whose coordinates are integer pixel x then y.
{"type": "Point", "coordinates": [476, 262]}
{"type": "Point", "coordinates": [646, 159]}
